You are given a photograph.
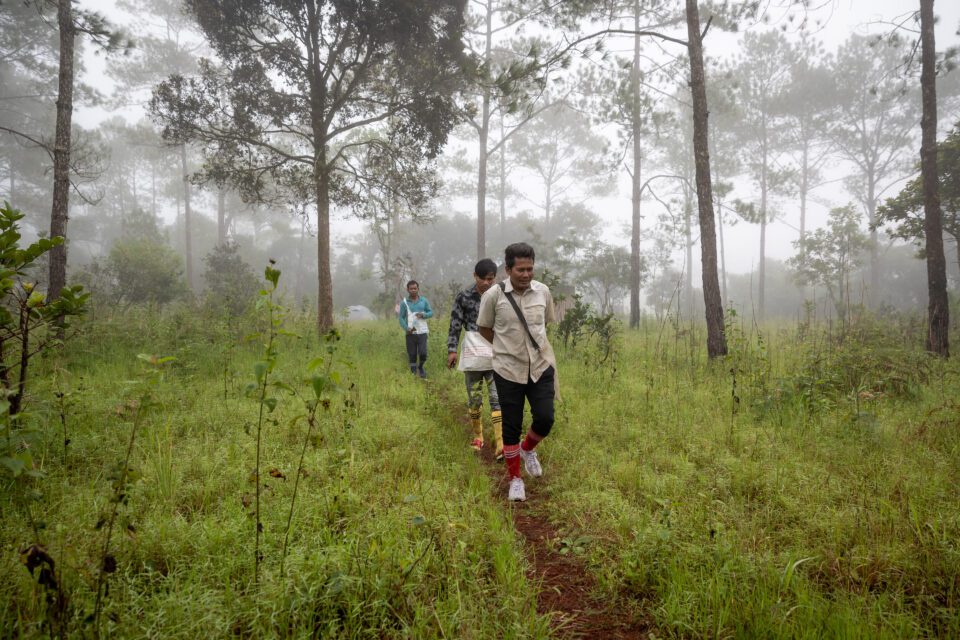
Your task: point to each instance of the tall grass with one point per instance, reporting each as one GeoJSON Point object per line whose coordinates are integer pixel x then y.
{"type": "Point", "coordinates": [816, 498]}
{"type": "Point", "coordinates": [397, 534]}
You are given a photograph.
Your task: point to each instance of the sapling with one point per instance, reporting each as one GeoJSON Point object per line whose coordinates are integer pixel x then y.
{"type": "Point", "coordinates": [262, 370]}
{"type": "Point", "coordinates": [25, 315]}
{"type": "Point", "coordinates": [323, 384]}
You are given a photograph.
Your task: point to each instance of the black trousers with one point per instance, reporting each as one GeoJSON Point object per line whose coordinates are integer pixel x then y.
{"type": "Point", "coordinates": [512, 395]}
{"type": "Point", "coordinates": [416, 348]}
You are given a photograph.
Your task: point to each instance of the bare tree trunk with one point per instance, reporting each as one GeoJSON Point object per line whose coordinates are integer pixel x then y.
{"type": "Point", "coordinates": [723, 260]}
{"type": "Point", "coordinates": [221, 217]}
{"type": "Point", "coordinates": [688, 242]}
{"type": "Point", "coordinates": [716, 340]}
{"type": "Point", "coordinates": [324, 278]}
{"type": "Point", "coordinates": [804, 188]}
{"type": "Point", "coordinates": [321, 178]}
{"type": "Point", "coordinates": [187, 236]}
{"type": "Point", "coordinates": [484, 142]}
{"type": "Point", "coordinates": [61, 150]}
{"type": "Point", "coordinates": [764, 195]}
{"type": "Point", "coordinates": [873, 296]}
{"type": "Point", "coordinates": [503, 176]}
{"type": "Point", "coordinates": [300, 255]}
{"type": "Point", "coordinates": [635, 178]}
{"type": "Point", "coordinates": [938, 311]}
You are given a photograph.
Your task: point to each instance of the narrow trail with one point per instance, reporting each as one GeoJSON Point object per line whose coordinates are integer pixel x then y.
{"type": "Point", "coordinates": [566, 590]}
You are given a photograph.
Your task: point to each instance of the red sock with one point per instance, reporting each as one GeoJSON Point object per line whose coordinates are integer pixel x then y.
{"type": "Point", "coordinates": [511, 456]}
{"type": "Point", "coordinates": [531, 441]}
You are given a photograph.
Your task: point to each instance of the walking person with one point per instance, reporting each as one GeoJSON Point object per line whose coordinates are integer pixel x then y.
{"type": "Point", "coordinates": [476, 356]}
{"type": "Point", "coordinates": [513, 316]}
{"type": "Point", "coordinates": [414, 311]}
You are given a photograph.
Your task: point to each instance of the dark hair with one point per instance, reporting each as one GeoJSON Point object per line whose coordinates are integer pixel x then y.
{"type": "Point", "coordinates": [517, 250]}
{"type": "Point", "coordinates": [485, 267]}
{"type": "Point", "coordinates": [413, 282]}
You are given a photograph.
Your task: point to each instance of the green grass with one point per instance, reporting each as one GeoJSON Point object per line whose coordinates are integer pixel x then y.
{"type": "Point", "coordinates": [396, 532]}
{"type": "Point", "coordinates": [825, 506]}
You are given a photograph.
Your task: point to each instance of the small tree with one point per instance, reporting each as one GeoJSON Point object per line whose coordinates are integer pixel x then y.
{"type": "Point", "coordinates": [230, 281]}
{"type": "Point", "coordinates": [26, 329]}
{"type": "Point", "coordinates": [827, 256]}
{"type": "Point", "coordinates": [144, 270]}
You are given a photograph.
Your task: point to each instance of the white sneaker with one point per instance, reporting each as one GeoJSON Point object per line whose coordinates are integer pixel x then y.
{"type": "Point", "coordinates": [531, 463]}
{"type": "Point", "coordinates": [517, 492]}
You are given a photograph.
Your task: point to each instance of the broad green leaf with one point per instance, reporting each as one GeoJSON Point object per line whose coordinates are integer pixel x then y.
{"type": "Point", "coordinates": [14, 465]}
{"type": "Point", "coordinates": [319, 383]}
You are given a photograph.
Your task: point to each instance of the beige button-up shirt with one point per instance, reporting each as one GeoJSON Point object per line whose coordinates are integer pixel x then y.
{"type": "Point", "coordinates": [514, 357]}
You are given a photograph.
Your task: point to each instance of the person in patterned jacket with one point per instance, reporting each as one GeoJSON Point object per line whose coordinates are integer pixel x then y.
{"type": "Point", "coordinates": [476, 358]}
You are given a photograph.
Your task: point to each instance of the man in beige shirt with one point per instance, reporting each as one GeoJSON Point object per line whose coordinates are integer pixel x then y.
{"type": "Point", "coordinates": [523, 360]}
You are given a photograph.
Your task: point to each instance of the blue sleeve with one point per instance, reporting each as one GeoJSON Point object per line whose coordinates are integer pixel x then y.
{"type": "Point", "coordinates": [427, 311]}
{"type": "Point", "coordinates": [403, 317]}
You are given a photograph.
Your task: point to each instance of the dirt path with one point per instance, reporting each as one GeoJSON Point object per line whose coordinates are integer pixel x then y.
{"type": "Point", "coordinates": [567, 591]}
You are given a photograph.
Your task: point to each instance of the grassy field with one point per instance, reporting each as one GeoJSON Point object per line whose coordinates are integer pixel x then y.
{"type": "Point", "coordinates": [803, 487]}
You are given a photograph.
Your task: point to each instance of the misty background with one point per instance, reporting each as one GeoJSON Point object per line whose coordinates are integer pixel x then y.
{"type": "Point", "coordinates": [814, 129]}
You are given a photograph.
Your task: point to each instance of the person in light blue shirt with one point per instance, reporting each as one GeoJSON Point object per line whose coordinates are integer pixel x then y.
{"type": "Point", "coordinates": [414, 311]}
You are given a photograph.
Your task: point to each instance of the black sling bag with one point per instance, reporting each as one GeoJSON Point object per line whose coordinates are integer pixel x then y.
{"type": "Point", "coordinates": [513, 303]}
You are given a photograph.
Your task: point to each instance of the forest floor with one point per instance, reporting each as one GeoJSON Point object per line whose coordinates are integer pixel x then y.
{"type": "Point", "coordinates": [566, 590]}
{"type": "Point", "coordinates": [804, 486]}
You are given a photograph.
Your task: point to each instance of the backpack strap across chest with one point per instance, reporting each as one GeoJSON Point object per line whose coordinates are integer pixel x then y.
{"type": "Point", "coordinates": [523, 320]}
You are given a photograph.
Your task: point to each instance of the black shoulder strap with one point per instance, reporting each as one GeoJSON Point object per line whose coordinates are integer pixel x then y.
{"type": "Point", "coordinates": [513, 303]}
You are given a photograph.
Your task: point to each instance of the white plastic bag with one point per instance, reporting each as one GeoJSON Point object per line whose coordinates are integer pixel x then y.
{"type": "Point", "coordinates": [476, 354]}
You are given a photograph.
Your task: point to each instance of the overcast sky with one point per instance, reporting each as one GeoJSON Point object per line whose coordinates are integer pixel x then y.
{"type": "Point", "coordinates": [838, 20]}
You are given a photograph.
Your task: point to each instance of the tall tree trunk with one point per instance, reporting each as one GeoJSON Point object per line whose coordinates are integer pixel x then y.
{"type": "Point", "coordinates": [723, 259]}
{"type": "Point", "coordinates": [503, 177]}
{"type": "Point", "coordinates": [301, 246]}
{"type": "Point", "coordinates": [873, 296]}
{"type": "Point", "coordinates": [484, 143]}
{"type": "Point", "coordinates": [635, 177]}
{"type": "Point", "coordinates": [221, 217]}
{"type": "Point", "coordinates": [804, 188]}
{"type": "Point", "coordinates": [688, 242]}
{"type": "Point", "coordinates": [153, 189]}
{"type": "Point", "coordinates": [324, 278]}
{"type": "Point", "coordinates": [187, 236]}
{"type": "Point", "coordinates": [938, 310]}
{"type": "Point", "coordinates": [716, 340]}
{"type": "Point", "coordinates": [548, 203]}
{"type": "Point", "coordinates": [61, 150]}
{"type": "Point", "coordinates": [764, 195]}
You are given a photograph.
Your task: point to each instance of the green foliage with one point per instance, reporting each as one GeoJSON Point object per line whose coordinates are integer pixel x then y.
{"type": "Point", "coordinates": [870, 360]}
{"type": "Point", "coordinates": [230, 281]}
{"type": "Point", "coordinates": [602, 330]}
{"type": "Point", "coordinates": [828, 256]}
{"type": "Point", "coordinates": [145, 271]}
{"type": "Point", "coordinates": [29, 325]}
{"type": "Point", "coordinates": [904, 213]}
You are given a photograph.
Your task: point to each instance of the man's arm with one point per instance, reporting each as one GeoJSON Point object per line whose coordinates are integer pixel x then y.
{"type": "Point", "coordinates": [453, 336]}
{"type": "Point", "coordinates": [487, 314]}
{"type": "Point", "coordinates": [403, 317]}
{"type": "Point", "coordinates": [427, 311]}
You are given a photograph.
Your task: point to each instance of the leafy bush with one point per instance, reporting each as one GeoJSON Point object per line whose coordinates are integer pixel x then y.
{"type": "Point", "coordinates": [231, 284]}
{"type": "Point", "coordinates": [145, 270]}
{"type": "Point", "coordinates": [868, 361]}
